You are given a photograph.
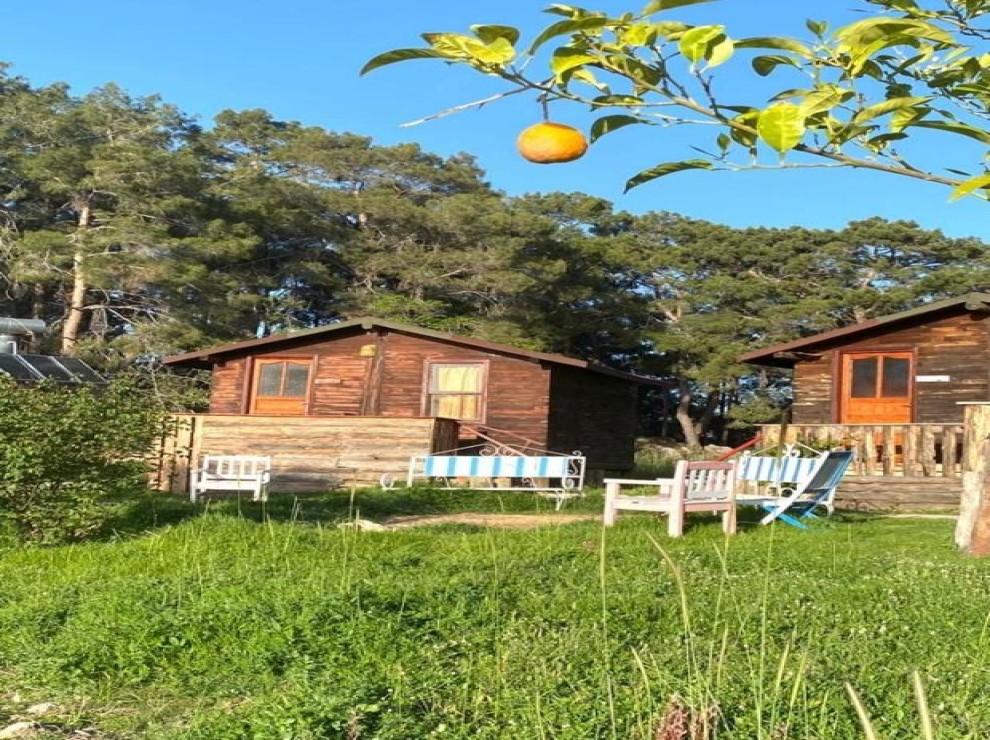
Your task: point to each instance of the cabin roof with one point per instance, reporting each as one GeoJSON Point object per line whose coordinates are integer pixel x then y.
{"type": "Point", "coordinates": [787, 354]}
{"type": "Point", "coordinates": [205, 357]}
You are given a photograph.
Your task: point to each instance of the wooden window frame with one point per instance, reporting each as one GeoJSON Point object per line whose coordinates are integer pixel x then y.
{"type": "Point", "coordinates": [841, 379]}
{"type": "Point", "coordinates": [250, 385]}
{"type": "Point", "coordinates": [428, 366]}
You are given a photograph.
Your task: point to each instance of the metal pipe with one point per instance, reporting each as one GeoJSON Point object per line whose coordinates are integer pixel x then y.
{"type": "Point", "coordinates": [21, 326]}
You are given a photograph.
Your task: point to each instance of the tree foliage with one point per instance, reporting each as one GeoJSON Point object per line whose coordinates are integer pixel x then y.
{"type": "Point", "coordinates": [65, 451]}
{"type": "Point", "coordinates": [908, 71]}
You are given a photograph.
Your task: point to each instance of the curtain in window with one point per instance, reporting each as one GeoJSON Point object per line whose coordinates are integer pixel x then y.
{"type": "Point", "coordinates": [456, 391]}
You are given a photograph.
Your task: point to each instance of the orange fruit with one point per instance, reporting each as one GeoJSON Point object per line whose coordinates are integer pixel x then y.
{"type": "Point", "coordinates": [547, 143]}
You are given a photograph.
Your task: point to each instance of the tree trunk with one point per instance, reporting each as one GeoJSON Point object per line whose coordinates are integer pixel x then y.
{"type": "Point", "coordinates": [72, 325]}
{"type": "Point", "coordinates": [683, 415]}
{"type": "Point", "coordinates": [973, 525]}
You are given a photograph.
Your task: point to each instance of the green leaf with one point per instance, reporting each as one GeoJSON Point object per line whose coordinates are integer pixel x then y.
{"type": "Point", "coordinates": [561, 28]}
{"type": "Point", "coordinates": [963, 129]}
{"type": "Point", "coordinates": [695, 44]}
{"type": "Point", "coordinates": [667, 168]}
{"type": "Point", "coordinates": [970, 186]}
{"type": "Point", "coordinates": [817, 27]}
{"type": "Point", "coordinates": [566, 58]}
{"type": "Point", "coordinates": [399, 55]}
{"type": "Point", "coordinates": [824, 98]}
{"type": "Point", "coordinates": [608, 124]}
{"type": "Point", "coordinates": [767, 63]}
{"type": "Point", "coordinates": [888, 106]}
{"type": "Point", "coordinates": [723, 141]}
{"type": "Point", "coordinates": [720, 51]}
{"type": "Point", "coordinates": [488, 34]}
{"type": "Point", "coordinates": [768, 42]}
{"type": "Point", "coordinates": [625, 101]}
{"type": "Point", "coordinates": [782, 126]}
{"type": "Point", "coordinates": [657, 5]}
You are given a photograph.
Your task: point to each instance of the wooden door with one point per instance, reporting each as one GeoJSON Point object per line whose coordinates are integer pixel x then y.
{"type": "Point", "coordinates": [876, 388]}
{"type": "Point", "coordinates": [280, 386]}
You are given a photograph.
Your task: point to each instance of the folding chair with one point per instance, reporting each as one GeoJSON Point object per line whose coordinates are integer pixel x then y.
{"type": "Point", "coordinates": [818, 489]}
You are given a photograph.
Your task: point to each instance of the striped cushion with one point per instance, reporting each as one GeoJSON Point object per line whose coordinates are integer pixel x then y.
{"type": "Point", "coordinates": [452, 466]}
{"type": "Point", "coordinates": [776, 470]}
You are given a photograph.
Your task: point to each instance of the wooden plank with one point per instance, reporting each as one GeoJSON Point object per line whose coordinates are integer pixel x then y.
{"type": "Point", "coordinates": [949, 451]}
{"type": "Point", "coordinates": [927, 451]}
{"type": "Point", "coordinates": [889, 449]}
{"type": "Point", "coordinates": [869, 450]}
{"type": "Point", "coordinates": [910, 449]}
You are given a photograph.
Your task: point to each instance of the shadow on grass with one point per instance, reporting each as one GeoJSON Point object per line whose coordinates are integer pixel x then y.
{"type": "Point", "coordinates": [153, 510]}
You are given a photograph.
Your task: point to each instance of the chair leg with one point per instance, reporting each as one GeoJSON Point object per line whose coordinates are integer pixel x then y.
{"type": "Point", "coordinates": [675, 522]}
{"type": "Point", "coordinates": [608, 517]}
{"type": "Point", "coordinates": [729, 520]}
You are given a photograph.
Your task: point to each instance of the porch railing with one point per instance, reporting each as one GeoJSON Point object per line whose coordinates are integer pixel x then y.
{"type": "Point", "coordinates": [909, 450]}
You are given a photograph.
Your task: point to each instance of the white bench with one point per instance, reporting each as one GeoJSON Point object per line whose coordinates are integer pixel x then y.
{"type": "Point", "coordinates": [558, 476]}
{"type": "Point", "coordinates": [231, 473]}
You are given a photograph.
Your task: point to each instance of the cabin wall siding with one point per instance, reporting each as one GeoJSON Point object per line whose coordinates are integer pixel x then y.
{"type": "Point", "coordinates": [594, 414]}
{"type": "Point", "coordinates": [517, 394]}
{"type": "Point", "coordinates": [957, 346]}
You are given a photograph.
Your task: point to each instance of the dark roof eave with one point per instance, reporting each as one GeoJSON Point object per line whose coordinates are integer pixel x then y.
{"type": "Point", "coordinates": [204, 358]}
{"type": "Point", "coordinates": [765, 356]}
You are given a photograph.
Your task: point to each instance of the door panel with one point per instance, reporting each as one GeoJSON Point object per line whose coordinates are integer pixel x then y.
{"type": "Point", "coordinates": [280, 386]}
{"type": "Point", "coordinates": [876, 388]}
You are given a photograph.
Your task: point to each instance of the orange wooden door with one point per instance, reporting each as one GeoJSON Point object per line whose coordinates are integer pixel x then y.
{"type": "Point", "coordinates": [280, 386]}
{"type": "Point", "coordinates": [876, 388]}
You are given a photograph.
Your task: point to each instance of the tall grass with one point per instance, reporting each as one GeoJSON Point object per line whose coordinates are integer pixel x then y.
{"type": "Point", "coordinates": [227, 626]}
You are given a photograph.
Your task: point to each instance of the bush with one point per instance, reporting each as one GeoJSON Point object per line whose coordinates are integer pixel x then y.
{"type": "Point", "coordinates": [65, 449]}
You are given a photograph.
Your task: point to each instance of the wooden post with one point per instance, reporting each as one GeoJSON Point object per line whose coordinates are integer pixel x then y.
{"type": "Point", "coordinates": [973, 525]}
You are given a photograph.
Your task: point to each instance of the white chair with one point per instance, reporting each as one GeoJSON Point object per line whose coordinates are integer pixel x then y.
{"type": "Point", "coordinates": [231, 473]}
{"type": "Point", "coordinates": [696, 486]}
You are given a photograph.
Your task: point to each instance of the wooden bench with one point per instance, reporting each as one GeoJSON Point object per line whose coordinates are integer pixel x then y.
{"type": "Point", "coordinates": [231, 473]}
{"type": "Point", "coordinates": [559, 476]}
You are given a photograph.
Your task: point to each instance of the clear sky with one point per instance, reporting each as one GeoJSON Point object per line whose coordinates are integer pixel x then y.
{"type": "Point", "coordinates": [300, 60]}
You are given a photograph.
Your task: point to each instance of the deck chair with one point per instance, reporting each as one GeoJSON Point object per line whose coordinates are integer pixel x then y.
{"type": "Point", "coordinates": [696, 486]}
{"type": "Point", "coordinates": [818, 490]}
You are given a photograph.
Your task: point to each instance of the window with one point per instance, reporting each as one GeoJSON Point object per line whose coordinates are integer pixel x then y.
{"type": "Point", "coordinates": [280, 386]}
{"type": "Point", "coordinates": [456, 391]}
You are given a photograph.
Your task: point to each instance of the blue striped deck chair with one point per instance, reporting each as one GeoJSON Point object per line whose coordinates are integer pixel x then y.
{"type": "Point", "coordinates": [777, 476]}
{"type": "Point", "coordinates": [818, 490]}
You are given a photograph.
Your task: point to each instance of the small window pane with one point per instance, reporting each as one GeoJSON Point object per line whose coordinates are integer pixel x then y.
{"type": "Point", "coordinates": [864, 377]}
{"type": "Point", "coordinates": [296, 380]}
{"type": "Point", "coordinates": [896, 377]}
{"type": "Point", "coordinates": [456, 407]}
{"type": "Point", "coordinates": [456, 379]}
{"type": "Point", "coordinates": [270, 379]}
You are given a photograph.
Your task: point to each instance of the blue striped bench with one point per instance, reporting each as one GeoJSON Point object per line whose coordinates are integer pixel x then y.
{"type": "Point", "coordinates": [558, 476]}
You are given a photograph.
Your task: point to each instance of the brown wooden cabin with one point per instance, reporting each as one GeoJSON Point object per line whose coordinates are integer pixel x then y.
{"type": "Point", "coordinates": [374, 368]}
{"type": "Point", "coordinates": [913, 367]}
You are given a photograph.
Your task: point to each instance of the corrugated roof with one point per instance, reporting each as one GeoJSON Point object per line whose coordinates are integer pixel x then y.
{"type": "Point", "coordinates": [206, 356]}
{"type": "Point", "coordinates": [765, 356]}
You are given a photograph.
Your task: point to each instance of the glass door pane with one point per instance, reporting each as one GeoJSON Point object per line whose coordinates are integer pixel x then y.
{"type": "Point", "coordinates": [864, 377]}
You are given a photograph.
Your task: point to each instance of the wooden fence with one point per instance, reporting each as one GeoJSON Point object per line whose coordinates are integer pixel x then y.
{"type": "Point", "coordinates": [309, 453]}
{"type": "Point", "coordinates": [909, 450]}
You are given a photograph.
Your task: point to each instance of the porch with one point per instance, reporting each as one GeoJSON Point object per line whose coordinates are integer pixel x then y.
{"type": "Point", "coordinates": [308, 453]}
{"type": "Point", "coordinates": [896, 466]}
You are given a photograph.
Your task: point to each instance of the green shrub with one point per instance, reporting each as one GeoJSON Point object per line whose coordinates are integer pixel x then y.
{"type": "Point", "coordinates": [65, 449]}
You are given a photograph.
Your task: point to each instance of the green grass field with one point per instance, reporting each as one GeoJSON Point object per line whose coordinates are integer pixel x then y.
{"type": "Point", "coordinates": [233, 625]}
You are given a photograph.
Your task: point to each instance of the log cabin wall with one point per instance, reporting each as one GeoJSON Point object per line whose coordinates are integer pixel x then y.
{"type": "Point", "coordinates": [385, 373]}
{"type": "Point", "coordinates": [956, 346]}
{"type": "Point", "coordinates": [595, 414]}
{"type": "Point", "coordinates": [308, 454]}
{"type": "Point", "coordinates": [517, 395]}
{"type": "Point", "coordinates": [338, 386]}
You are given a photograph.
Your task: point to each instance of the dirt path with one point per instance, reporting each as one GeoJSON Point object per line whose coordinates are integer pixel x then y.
{"type": "Point", "coordinates": [505, 521]}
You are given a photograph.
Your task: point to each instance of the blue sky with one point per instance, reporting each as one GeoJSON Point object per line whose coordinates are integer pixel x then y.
{"type": "Point", "coordinates": [300, 60]}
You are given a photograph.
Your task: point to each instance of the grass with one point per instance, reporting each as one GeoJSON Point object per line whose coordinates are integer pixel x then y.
{"type": "Point", "coordinates": [241, 623]}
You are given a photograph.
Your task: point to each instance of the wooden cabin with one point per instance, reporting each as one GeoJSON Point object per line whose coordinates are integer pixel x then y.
{"type": "Point", "coordinates": [371, 369]}
{"type": "Point", "coordinates": [893, 389]}
{"type": "Point", "coordinates": [912, 367]}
